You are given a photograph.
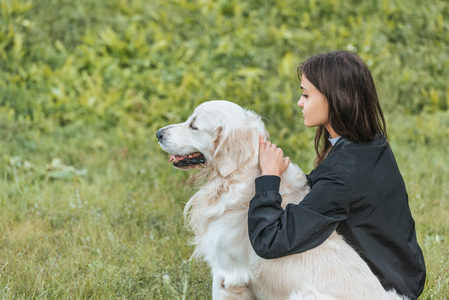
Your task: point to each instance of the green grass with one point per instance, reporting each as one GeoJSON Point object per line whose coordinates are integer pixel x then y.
{"type": "Point", "coordinates": [89, 82]}
{"type": "Point", "coordinates": [115, 232]}
{"type": "Point", "coordinates": [422, 150]}
{"type": "Point", "coordinates": [110, 234]}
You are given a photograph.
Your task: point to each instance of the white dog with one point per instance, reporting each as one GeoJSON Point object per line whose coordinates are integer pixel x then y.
{"type": "Point", "coordinates": [222, 139]}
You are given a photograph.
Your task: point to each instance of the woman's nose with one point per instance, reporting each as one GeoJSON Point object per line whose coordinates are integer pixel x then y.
{"type": "Point", "coordinates": [300, 102]}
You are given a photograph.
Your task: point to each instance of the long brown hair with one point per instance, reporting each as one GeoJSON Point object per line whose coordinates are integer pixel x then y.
{"type": "Point", "coordinates": [354, 109]}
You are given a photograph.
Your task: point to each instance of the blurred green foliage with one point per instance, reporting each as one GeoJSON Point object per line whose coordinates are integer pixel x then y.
{"type": "Point", "coordinates": [89, 207]}
{"type": "Point", "coordinates": [132, 62]}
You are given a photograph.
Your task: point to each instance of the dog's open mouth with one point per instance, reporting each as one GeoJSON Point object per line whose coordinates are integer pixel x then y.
{"type": "Point", "coordinates": [187, 161]}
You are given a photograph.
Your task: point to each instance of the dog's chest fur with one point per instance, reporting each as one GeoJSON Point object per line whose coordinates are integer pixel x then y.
{"type": "Point", "coordinates": [224, 243]}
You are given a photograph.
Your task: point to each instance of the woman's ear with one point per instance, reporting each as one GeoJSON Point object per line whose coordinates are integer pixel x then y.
{"type": "Point", "coordinates": [233, 149]}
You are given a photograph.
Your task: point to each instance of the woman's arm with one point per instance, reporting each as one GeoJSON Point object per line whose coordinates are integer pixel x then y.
{"type": "Point", "coordinates": [275, 232]}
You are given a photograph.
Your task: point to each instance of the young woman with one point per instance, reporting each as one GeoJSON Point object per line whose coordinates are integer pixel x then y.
{"type": "Point", "coordinates": [356, 186]}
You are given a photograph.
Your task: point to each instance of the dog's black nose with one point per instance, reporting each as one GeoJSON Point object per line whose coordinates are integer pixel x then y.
{"type": "Point", "coordinates": [159, 135]}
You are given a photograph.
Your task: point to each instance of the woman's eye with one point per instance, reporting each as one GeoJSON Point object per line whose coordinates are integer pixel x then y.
{"type": "Point", "coordinates": [192, 126]}
{"type": "Point", "coordinates": [305, 96]}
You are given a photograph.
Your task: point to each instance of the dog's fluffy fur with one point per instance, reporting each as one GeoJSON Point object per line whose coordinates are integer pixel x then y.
{"type": "Point", "coordinates": [227, 136]}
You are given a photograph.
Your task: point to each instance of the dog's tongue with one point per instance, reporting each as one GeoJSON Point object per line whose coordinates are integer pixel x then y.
{"type": "Point", "coordinates": [176, 158]}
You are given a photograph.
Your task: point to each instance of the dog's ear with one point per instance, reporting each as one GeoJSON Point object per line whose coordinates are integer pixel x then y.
{"type": "Point", "coordinates": [234, 149]}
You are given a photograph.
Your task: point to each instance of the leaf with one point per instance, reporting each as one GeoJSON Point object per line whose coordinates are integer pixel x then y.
{"type": "Point", "coordinates": [250, 72]}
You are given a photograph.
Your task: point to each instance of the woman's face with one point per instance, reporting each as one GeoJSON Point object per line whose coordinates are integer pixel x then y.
{"type": "Point", "coordinates": [315, 107]}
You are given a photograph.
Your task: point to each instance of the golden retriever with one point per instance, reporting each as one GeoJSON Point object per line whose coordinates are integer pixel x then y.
{"type": "Point", "coordinates": [222, 139]}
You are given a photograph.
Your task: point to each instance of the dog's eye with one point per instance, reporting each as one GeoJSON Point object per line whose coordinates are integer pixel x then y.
{"type": "Point", "coordinates": [193, 127]}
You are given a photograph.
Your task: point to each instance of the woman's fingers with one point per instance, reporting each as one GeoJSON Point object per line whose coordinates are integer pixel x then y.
{"type": "Point", "coordinates": [261, 142]}
{"type": "Point", "coordinates": [267, 147]}
{"type": "Point", "coordinates": [271, 158]}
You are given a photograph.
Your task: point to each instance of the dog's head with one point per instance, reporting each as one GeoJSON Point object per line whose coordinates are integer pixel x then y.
{"type": "Point", "coordinates": [219, 135]}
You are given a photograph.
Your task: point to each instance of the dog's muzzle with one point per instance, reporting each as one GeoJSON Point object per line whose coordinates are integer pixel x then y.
{"type": "Point", "coordinates": [188, 161]}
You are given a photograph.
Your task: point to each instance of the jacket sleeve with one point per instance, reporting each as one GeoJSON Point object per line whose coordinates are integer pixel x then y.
{"type": "Point", "coordinates": [275, 232]}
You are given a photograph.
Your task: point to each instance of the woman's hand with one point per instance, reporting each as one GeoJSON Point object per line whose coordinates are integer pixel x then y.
{"type": "Point", "coordinates": [271, 158]}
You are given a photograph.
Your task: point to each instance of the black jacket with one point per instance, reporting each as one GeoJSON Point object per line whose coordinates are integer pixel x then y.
{"type": "Point", "coordinates": [358, 191]}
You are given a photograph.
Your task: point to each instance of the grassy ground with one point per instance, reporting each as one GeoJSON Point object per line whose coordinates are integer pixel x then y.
{"type": "Point", "coordinates": [118, 230]}
{"type": "Point", "coordinates": [90, 207]}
